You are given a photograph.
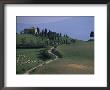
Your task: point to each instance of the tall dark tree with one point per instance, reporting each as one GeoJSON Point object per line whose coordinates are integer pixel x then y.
{"type": "Point", "coordinates": [92, 34]}
{"type": "Point", "coordinates": [38, 30]}
{"type": "Point", "coordinates": [42, 33]}
{"type": "Point", "coordinates": [55, 35]}
{"type": "Point", "coordinates": [58, 34]}
{"type": "Point", "coordinates": [66, 35]}
{"type": "Point", "coordinates": [52, 35]}
{"type": "Point", "coordinates": [58, 39]}
{"type": "Point", "coordinates": [49, 34]}
{"type": "Point", "coordinates": [45, 32]}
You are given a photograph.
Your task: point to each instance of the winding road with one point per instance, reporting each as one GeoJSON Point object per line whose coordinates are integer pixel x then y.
{"type": "Point", "coordinates": [47, 62]}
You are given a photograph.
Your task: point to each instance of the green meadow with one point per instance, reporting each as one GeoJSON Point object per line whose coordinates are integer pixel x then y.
{"type": "Point", "coordinates": [77, 58]}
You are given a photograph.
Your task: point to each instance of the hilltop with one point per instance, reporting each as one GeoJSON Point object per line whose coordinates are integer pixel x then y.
{"type": "Point", "coordinates": [36, 38]}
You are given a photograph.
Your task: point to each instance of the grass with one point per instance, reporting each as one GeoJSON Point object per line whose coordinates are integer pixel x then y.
{"type": "Point", "coordinates": [26, 59]}
{"type": "Point", "coordinates": [77, 58]}
{"type": "Point", "coordinates": [28, 38]}
{"type": "Point", "coordinates": [80, 50]}
{"type": "Point", "coordinates": [66, 67]}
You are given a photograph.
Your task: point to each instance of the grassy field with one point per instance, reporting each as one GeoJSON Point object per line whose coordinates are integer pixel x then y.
{"type": "Point", "coordinates": [26, 59]}
{"type": "Point", "coordinates": [77, 58]}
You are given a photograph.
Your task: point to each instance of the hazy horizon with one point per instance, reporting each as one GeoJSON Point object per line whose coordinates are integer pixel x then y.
{"type": "Point", "coordinates": [77, 27]}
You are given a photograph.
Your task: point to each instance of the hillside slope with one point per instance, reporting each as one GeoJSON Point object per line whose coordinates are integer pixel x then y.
{"type": "Point", "coordinates": [77, 58]}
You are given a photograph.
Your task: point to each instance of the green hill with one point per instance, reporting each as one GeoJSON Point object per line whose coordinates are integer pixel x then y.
{"type": "Point", "coordinates": [32, 41]}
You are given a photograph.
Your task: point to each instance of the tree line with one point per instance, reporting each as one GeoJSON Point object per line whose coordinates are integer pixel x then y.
{"type": "Point", "coordinates": [45, 38]}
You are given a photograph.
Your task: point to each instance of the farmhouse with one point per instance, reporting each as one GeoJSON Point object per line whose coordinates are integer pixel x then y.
{"type": "Point", "coordinates": [31, 30]}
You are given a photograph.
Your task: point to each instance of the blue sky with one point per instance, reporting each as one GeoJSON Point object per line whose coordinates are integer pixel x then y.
{"type": "Point", "coordinates": [77, 27]}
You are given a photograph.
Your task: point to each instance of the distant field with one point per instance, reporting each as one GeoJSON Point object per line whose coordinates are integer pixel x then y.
{"type": "Point", "coordinates": [77, 58]}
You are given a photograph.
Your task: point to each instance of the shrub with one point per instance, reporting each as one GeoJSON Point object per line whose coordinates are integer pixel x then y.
{"type": "Point", "coordinates": [44, 55]}
{"type": "Point", "coordinates": [57, 53]}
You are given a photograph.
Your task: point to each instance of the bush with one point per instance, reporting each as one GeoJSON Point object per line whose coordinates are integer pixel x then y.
{"type": "Point", "coordinates": [57, 53]}
{"type": "Point", "coordinates": [44, 55]}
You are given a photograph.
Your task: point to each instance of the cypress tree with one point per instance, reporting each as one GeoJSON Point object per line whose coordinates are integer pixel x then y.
{"type": "Point", "coordinates": [38, 31]}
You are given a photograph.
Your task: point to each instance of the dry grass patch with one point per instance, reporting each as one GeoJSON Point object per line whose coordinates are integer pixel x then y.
{"type": "Point", "coordinates": [77, 66]}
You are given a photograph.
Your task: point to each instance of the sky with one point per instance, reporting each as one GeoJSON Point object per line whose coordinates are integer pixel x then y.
{"type": "Point", "coordinates": [77, 27]}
